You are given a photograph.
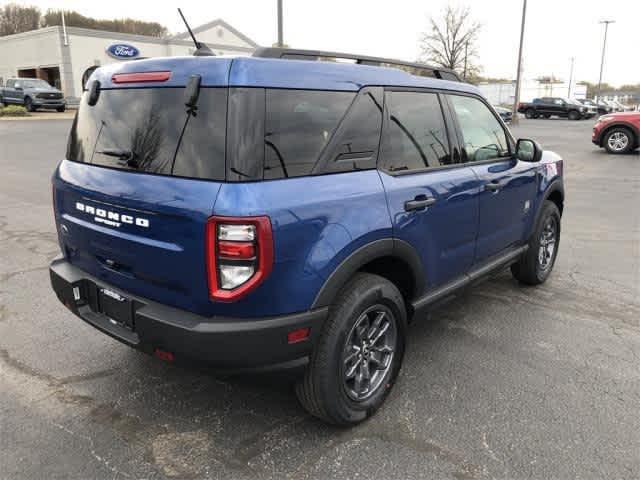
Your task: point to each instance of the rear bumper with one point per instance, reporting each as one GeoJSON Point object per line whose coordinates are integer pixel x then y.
{"type": "Point", "coordinates": [227, 344]}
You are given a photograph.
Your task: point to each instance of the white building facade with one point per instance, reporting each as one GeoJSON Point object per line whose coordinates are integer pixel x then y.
{"type": "Point", "coordinates": [61, 56]}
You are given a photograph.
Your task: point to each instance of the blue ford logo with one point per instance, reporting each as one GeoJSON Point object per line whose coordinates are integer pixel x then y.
{"type": "Point", "coordinates": [122, 50]}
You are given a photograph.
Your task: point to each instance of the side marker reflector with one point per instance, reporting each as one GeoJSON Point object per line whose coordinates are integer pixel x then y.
{"type": "Point", "coordinates": [299, 335]}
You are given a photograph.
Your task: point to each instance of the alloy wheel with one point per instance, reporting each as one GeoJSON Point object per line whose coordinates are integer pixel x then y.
{"type": "Point", "coordinates": [369, 352]}
{"type": "Point", "coordinates": [618, 141]}
{"type": "Point", "coordinates": [548, 239]}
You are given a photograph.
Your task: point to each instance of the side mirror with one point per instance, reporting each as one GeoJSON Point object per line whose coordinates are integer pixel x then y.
{"type": "Point", "coordinates": [17, 86]}
{"type": "Point", "coordinates": [528, 150]}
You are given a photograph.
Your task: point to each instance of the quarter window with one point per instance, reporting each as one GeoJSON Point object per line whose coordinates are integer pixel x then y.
{"type": "Point", "coordinates": [414, 136]}
{"type": "Point", "coordinates": [298, 125]}
{"type": "Point", "coordinates": [483, 136]}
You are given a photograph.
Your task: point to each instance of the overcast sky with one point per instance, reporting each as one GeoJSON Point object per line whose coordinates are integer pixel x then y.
{"type": "Point", "coordinates": [556, 29]}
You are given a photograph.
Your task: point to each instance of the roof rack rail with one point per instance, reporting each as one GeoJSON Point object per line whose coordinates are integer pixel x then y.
{"type": "Point", "coordinates": [419, 69]}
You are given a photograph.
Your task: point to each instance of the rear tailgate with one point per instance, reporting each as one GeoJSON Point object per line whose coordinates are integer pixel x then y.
{"type": "Point", "coordinates": [140, 180]}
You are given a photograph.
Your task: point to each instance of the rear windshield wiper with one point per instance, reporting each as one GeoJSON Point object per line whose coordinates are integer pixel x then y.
{"type": "Point", "coordinates": [128, 156]}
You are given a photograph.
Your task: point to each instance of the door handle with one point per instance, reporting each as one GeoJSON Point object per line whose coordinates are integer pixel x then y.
{"type": "Point", "coordinates": [493, 186]}
{"type": "Point", "coordinates": [419, 203]}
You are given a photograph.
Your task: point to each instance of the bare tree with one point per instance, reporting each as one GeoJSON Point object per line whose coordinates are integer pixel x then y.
{"type": "Point", "coordinates": [17, 19]}
{"type": "Point", "coordinates": [451, 40]}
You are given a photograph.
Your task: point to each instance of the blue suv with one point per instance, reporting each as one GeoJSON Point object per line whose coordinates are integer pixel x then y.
{"type": "Point", "coordinates": [283, 210]}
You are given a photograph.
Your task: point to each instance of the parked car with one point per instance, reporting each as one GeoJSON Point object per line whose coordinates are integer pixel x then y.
{"type": "Point", "coordinates": [504, 113]}
{"type": "Point", "coordinates": [554, 106]}
{"type": "Point", "coordinates": [32, 93]}
{"type": "Point", "coordinates": [617, 132]}
{"type": "Point", "coordinates": [601, 107]}
{"type": "Point", "coordinates": [302, 218]}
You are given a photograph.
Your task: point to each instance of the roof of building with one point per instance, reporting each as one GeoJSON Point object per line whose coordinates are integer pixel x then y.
{"type": "Point", "coordinates": [216, 23]}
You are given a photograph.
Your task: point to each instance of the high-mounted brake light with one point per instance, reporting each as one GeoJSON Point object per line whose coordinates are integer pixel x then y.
{"type": "Point", "coordinates": [139, 77]}
{"type": "Point", "coordinates": [239, 255]}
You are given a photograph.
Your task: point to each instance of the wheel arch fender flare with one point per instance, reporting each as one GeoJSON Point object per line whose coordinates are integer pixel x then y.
{"type": "Point", "coordinates": [386, 247]}
{"type": "Point", "coordinates": [555, 187]}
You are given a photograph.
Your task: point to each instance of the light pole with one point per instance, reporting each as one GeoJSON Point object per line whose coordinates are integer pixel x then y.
{"type": "Point", "coordinates": [280, 41]}
{"type": "Point", "coordinates": [516, 100]}
{"type": "Point", "coordinates": [570, 77]}
{"type": "Point", "coordinates": [604, 46]}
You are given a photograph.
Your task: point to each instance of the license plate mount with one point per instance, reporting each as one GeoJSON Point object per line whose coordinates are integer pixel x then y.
{"type": "Point", "coordinates": [115, 306]}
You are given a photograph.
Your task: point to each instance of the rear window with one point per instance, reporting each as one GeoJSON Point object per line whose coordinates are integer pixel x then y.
{"type": "Point", "coordinates": [149, 130]}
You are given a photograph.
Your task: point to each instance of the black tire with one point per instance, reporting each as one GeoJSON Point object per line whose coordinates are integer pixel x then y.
{"type": "Point", "coordinates": [530, 269]}
{"type": "Point", "coordinates": [61, 109]}
{"type": "Point", "coordinates": [530, 113]}
{"type": "Point", "coordinates": [28, 104]}
{"type": "Point", "coordinates": [574, 115]}
{"type": "Point", "coordinates": [324, 390]}
{"type": "Point", "coordinates": [619, 140]}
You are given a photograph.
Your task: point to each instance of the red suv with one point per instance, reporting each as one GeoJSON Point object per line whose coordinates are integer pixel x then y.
{"type": "Point", "coordinates": [617, 132]}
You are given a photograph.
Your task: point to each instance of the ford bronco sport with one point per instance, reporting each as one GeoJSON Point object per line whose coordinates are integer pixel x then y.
{"type": "Point", "coordinates": [284, 211]}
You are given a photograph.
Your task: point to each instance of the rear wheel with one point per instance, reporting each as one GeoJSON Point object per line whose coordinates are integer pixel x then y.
{"type": "Point", "coordinates": [529, 113]}
{"type": "Point", "coordinates": [574, 115]}
{"type": "Point", "coordinates": [618, 140]}
{"type": "Point", "coordinates": [359, 353]}
{"type": "Point", "coordinates": [535, 266]}
{"type": "Point", "coordinates": [60, 109]}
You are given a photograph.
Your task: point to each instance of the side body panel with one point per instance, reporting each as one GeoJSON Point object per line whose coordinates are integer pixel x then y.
{"type": "Point", "coordinates": [443, 234]}
{"type": "Point", "coordinates": [317, 223]}
{"type": "Point", "coordinates": [504, 213]}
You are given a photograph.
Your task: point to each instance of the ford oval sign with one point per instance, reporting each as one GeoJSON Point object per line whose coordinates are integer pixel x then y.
{"type": "Point", "coordinates": [123, 51]}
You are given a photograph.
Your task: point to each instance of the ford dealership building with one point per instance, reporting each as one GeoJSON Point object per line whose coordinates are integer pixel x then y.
{"type": "Point", "coordinates": [60, 56]}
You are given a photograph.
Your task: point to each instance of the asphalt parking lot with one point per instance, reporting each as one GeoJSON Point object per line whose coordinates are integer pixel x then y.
{"type": "Point", "coordinates": [506, 382]}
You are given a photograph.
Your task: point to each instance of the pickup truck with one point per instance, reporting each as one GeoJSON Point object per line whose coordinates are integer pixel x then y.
{"type": "Point", "coordinates": [561, 107]}
{"type": "Point", "coordinates": [32, 93]}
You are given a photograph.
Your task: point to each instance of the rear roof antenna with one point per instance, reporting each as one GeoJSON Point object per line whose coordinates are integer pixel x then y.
{"type": "Point", "coordinates": [201, 49]}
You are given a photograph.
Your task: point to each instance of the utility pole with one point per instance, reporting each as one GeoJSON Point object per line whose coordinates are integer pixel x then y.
{"type": "Point", "coordinates": [280, 42]}
{"type": "Point", "coordinates": [570, 78]}
{"type": "Point", "coordinates": [466, 47]}
{"type": "Point", "coordinates": [516, 100]}
{"type": "Point", "coordinates": [604, 46]}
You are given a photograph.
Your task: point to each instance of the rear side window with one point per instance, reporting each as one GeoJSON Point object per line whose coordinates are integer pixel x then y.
{"type": "Point", "coordinates": [298, 125]}
{"type": "Point", "coordinates": [149, 130]}
{"type": "Point", "coordinates": [414, 134]}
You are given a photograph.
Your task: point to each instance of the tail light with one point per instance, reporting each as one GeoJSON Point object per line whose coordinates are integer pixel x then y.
{"type": "Point", "coordinates": [239, 254]}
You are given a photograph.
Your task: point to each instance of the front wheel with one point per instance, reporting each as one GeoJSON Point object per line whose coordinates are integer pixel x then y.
{"type": "Point", "coordinates": [358, 354]}
{"type": "Point", "coordinates": [28, 104]}
{"type": "Point", "coordinates": [618, 140]}
{"type": "Point", "coordinates": [61, 109]}
{"type": "Point", "coordinates": [529, 113]}
{"type": "Point", "coordinates": [535, 266]}
{"type": "Point", "coordinates": [573, 115]}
